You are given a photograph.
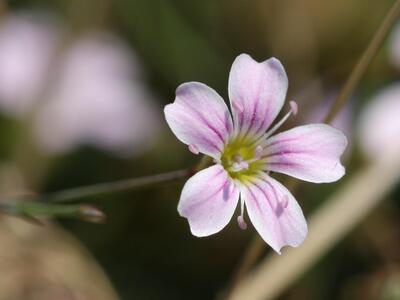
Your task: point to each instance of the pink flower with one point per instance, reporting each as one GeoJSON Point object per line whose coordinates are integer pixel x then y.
{"type": "Point", "coordinates": [23, 72]}
{"type": "Point", "coordinates": [318, 110]}
{"type": "Point", "coordinates": [97, 93]}
{"type": "Point", "coordinates": [99, 99]}
{"type": "Point", "coordinates": [379, 125]}
{"type": "Point", "coordinates": [244, 154]}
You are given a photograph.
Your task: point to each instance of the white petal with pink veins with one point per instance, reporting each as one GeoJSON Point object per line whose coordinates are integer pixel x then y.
{"type": "Point", "coordinates": [310, 152]}
{"type": "Point", "coordinates": [199, 117]}
{"type": "Point", "coordinates": [208, 201]}
{"type": "Point", "coordinates": [257, 92]}
{"type": "Point", "coordinates": [274, 212]}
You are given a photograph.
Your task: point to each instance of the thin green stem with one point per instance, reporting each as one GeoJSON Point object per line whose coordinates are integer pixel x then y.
{"type": "Point", "coordinates": [36, 210]}
{"type": "Point", "coordinates": [108, 187]}
{"type": "Point", "coordinates": [34, 207]}
{"type": "Point", "coordinates": [254, 250]}
{"type": "Point", "coordinates": [364, 61]}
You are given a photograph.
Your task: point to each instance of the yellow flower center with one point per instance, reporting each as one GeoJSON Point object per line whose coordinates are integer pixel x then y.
{"type": "Point", "coordinates": [241, 159]}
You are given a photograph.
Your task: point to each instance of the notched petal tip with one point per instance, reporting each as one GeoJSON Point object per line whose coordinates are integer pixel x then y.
{"type": "Point", "coordinates": [300, 240]}
{"type": "Point", "coordinates": [275, 213]}
{"type": "Point", "coordinates": [275, 63]}
{"type": "Point", "coordinates": [167, 108]}
{"type": "Point", "coordinates": [257, 91]}
{"type": "Point", "coordinates": [199, 116]}
{"type": "Point", "coordinates": [187, 86]}
{"type": "Point", "coordinates": [281, 247]}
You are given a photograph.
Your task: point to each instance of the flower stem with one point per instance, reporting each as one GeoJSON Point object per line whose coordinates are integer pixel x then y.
{"type": "Point", "coordinates": [255, 249]}
{"type": "Point", "coordinates": [364, 61]}
{"type": "Point", "coordinates": [34, 207]}
{"type": "Point", "coordinates": [34, 210]}
{"type": "Point", "coordinates": [109, 187]}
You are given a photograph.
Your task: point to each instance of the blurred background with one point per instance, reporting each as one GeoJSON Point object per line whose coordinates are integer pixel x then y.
{"type": "Point", "coordinates": [82, 89]}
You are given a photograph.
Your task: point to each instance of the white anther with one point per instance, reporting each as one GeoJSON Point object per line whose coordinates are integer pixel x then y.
{"type": "Point", "coordinates": [240, 219]}
{"type": "Point", "coordinates": [193, 149]}
{"type": "Point", "coordinates": [235, 167]}
{"type": "Point", "coordinates": [258, 152]}
{"type": "Point", "coordinates": [239, 166]}
{"type": "Point", "coordinates": [294, 107]}
{"type": "Point", "coordinates": [241, 222]}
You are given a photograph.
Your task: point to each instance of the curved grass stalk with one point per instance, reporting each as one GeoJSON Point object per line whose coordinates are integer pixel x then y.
{"type": "Point", "coordinates": [255, 249]}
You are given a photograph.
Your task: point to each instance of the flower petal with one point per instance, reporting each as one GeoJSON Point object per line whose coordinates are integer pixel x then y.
{"type": "Point", "coordinates": [275, 213]}
{"type": "Point", "coordinates": [257, 92]}
{"type": "Point", "coordinates": [208, 201]}
{"type": "Point", "coordinates": [310, 152]}
{"type": "Point", "coordinates": [199, 117]}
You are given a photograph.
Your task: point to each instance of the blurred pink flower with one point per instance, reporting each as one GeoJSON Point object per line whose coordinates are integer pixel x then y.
{"type": "Point", "coordinates": [244, 154]}
{"type": "Point", "coordinates": [97, 95]}
{"type": "Point", "coordinates": [342, 120]}
{"type": "Point", "coordinates": [379, 127]}
{"type": "Point", "coordinates": [99, 99]}
{"type": "Point", "coordinates": [27, 42]}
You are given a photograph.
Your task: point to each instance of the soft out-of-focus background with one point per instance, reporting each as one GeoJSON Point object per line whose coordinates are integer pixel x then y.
{"type": "Point", "coordinates": [82, 88]}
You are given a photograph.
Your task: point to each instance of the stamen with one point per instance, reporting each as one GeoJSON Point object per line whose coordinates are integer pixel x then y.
{"type": "Point", "coordinates": [239, 166]}
{"type": "Point", "coordinates": [241, 222]}
{"type": "Point", "coordinates": [235, 167]}
{"type": "Point", "coordinates": [293, 110]}
{"type": "Point", "coordinates": [193, 149]}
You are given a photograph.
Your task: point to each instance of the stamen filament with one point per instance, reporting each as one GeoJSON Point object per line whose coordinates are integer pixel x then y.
{"type": "Point", "coordinates": [293, 111]}
{"type": "Point", "coordinates": [241, 222]}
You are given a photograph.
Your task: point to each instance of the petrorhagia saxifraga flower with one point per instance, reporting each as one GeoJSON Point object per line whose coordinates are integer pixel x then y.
{"type": "Point", "coordinates": [245, 154]}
